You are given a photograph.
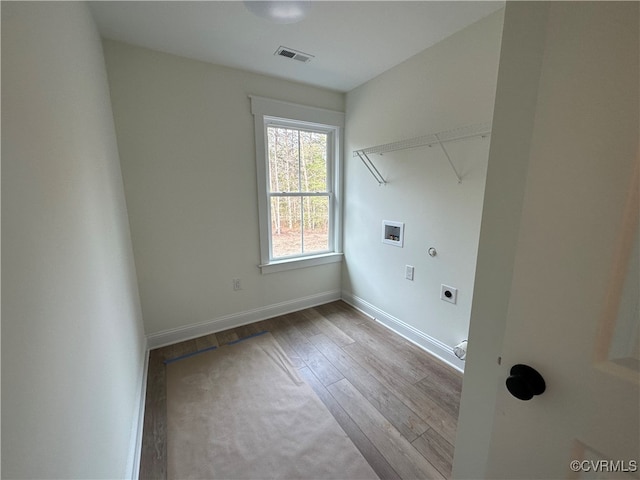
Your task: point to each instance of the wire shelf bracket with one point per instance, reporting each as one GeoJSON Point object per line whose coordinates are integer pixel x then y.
{"type": "Point", "coordinates": [371, 167]}
{"type": "Point", "coordinates": [478, 130]}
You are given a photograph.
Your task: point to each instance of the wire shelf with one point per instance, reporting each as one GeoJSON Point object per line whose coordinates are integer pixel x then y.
{"type": "Point", "coordinates": [470, 131]}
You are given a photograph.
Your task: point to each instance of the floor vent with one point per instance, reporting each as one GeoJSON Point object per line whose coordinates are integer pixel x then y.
{"type": "Point", "coordinates": [293, 54]}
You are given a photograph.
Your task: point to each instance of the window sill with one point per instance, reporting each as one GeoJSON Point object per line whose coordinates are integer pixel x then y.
{"type": "Point", "coordinates": [294, 263]}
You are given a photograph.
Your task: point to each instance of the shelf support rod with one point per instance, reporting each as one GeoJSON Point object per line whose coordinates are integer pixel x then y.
{"type": "Point", "coordinates": [371, 167]}
{"type": "Point", "coordinates": [446, 154]}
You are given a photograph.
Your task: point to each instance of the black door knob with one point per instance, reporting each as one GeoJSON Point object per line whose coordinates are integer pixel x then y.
{"type": "Point", "coordinates": [524, 382]}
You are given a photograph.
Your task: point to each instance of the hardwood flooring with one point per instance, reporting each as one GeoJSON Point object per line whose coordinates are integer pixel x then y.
{"type": "Point", "coordinates": [397, 403]}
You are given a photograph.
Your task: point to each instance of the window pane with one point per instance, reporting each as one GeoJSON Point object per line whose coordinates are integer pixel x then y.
{"type": "Point", "coordinates": [313, 165]}
{"type": "Point", "coordinates": [286, 227]}
{"type": "Point", "coordinates": [316, 224]}
{"type": "Point", "coordinates": [284, 165]}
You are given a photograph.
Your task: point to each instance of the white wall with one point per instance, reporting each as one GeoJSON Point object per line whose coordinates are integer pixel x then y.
{"type": "Point", "coordinates": [186, 141]}
{"type": "Point", "coordinates": [72, 339]}
{"type": "Point", "coordinates": [449, 85]}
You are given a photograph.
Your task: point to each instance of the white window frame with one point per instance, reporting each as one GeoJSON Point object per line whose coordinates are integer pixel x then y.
{"type": "Point", "coordinates": [267, 112]}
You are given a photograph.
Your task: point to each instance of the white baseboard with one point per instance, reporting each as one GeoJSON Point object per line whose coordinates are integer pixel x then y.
{"type": "Point", "coordinates": [180, 334]}
{"type": "Point", "coordinates": [138, 424]}
{"type": "Point", "coordinates": [432, 345]}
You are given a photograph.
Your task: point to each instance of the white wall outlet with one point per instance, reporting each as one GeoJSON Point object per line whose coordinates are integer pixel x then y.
{"type": "Point", "coordinates": [408, 272]}
{"type": "Point", "coordinates": [236, 284]}
{"type": "Point", "coordinates": [448, 294]}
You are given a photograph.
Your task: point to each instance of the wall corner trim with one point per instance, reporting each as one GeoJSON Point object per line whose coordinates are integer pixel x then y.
{"type": "Point", "coordinates": [137, 428]}
{"type": "Point", "coordinates": [180, 334]}
{"type": "Point", "coordinates": [431, 345]}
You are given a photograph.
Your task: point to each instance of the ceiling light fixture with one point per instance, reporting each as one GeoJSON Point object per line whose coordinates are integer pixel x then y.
{"type": "Point", "coordinates": [280, 11]}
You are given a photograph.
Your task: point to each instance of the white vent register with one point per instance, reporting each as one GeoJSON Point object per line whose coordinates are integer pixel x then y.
{"type": "Point", "coordinates": [293, 54]}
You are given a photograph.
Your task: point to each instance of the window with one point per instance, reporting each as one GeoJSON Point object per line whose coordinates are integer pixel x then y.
{"type": "Point", "coordinates": [299, 193]}
{"type": "Point", "coordinates": [298, 164]}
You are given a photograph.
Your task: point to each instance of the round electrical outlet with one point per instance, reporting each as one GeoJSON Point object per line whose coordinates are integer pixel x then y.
{"type": "Point", "coordinates": [448, 294]}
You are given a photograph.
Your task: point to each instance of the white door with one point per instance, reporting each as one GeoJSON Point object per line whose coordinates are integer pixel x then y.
{"type": "Point", "coordinates": [571, 306]}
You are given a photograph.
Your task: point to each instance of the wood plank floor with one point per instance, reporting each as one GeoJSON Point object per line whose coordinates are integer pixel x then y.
{"type": "Point", "coordinates": [398, 404]}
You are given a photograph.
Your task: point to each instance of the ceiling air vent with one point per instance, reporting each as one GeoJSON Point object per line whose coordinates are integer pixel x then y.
{"type": "Point", "coordinates": [293, 54]}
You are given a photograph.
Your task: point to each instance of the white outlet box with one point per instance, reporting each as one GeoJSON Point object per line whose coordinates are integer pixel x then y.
{"type": "Point", "coordinates": [393, 233]}
{"type": "Point", "coordinates": [408, 272]}
{"type": "Point", "coordinates": [236, 284]}
{"type": "Point", "coordinates": [448, 294]}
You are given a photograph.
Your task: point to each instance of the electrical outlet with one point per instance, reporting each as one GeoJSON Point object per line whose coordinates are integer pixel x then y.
{"type": "Point", "coordinates": [448, 294]}
{"type": "Point", "coordinates": [408, 272]}
{"type": "Point", "coordinates": [236, 284]}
